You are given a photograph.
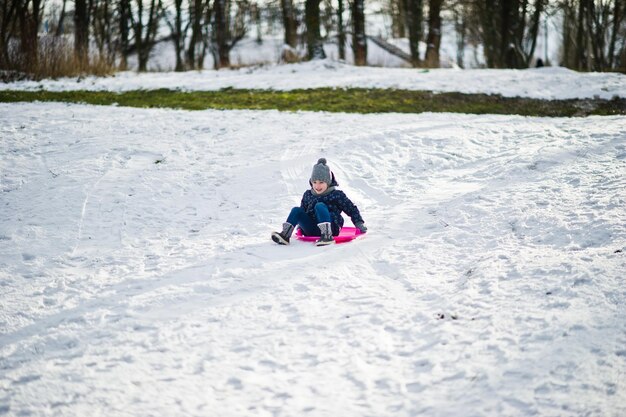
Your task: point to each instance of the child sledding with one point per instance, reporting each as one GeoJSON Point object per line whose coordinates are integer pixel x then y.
{"type": "Point", "coordinates": [320, 211]}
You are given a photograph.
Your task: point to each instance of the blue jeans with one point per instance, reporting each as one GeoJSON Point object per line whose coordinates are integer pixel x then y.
{"type": "Point", "coordinates": [298, 217]}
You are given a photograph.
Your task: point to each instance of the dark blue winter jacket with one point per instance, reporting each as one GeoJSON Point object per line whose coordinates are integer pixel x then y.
{"type": "Point", "coordinates": [337, 202]}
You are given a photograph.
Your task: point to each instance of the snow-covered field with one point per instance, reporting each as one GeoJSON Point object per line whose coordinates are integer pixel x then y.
{"type": "Point", "coordinates": [542, 83]}
{"type": "Point", "coordinates": [137, 277]}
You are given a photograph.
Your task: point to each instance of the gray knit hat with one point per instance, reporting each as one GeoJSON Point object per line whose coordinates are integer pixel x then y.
{"type": "Point", "coordinates": [321, 172]}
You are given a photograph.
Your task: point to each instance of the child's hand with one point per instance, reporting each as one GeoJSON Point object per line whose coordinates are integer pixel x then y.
{"type": "Point", "coordinates": [361, 226]}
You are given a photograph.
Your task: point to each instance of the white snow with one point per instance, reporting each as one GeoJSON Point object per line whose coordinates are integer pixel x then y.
{"type": "Point", "coordinates": [137, 277]}
{"type": "Point", "coordinates": [248, 52]}
{"type": "Point", "coordinates": [542, 83]}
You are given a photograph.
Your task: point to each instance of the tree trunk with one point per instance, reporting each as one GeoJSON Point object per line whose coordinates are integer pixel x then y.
{"type": "Point", "coordinates": [81, 33]}
{"type": "Point", "coordinates": [222, 59]}
{"type": "Point", "coordinates": [34, 29]}
{"type": "Point", "coordinates": [290, 23]}
{"type": "Point", "coordinates": [315, 47]}
{"type": "Point", "coordinates": [534, 30]}
{"type": "Point", "coordinates": [398, 18]}
{"type": "Point", "coordinates": [256, 12]}
{"type": "Point", "coordinates": [509, 31]}
{"type": "Point", "coordinates": [59, 30]}
{"type": "Point", "coordinates": [569, 19]}
{"type": "Point", "coordinates": [359, 40]}
{"type": "Point", "coordinates": [460, 29]}
{"type": "Point", "coordinates": [597, 25]}
{"type": "Point", "coordinates": [490, 33]}
{"type": "Point", "coordinates": [107, 30]}
{"type": "Point", "coordinates": [178, 34]}
{"type": "Point", "coordinates": [593, 56]}
{"type": "Point", "coordinates": [152, 29]}
{"type": "Point", "coordinates": [206, 39]}
{"type": "Point", "coordinates": [124, 16]}
{"type": "Point", "coordinates": [145, 35]}
{"type": "Point", "coordinates": [434, 34]}
{"type": "Point", "coordinates": [507, 26]}
{"type": "Point", "coordinates": [341, 33]}
{"type": "Point", "coordinates": [110, 22]}
{"type": "Point", "coordinates": [617, 20]}
{"type": "Point", "coordinates": [414, 15]}
{"type": "Point", "coordinates": [29, 26]}
{"type": "Point", "coordinates": [138, 27]}
{"type": "Point", "coordinates": [581, 38]}
{"type": "Point", "coordinates": [9, 12]}
{"type": "Point", "coordinates": [102, 30]}
{"type": "Point", "coordinates": [196, 10]}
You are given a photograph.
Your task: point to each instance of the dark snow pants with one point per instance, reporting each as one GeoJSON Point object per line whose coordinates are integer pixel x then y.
{"type": "Point", "coordinates": [298, 217]}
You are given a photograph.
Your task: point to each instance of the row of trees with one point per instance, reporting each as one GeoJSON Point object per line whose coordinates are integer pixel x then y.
{"type": "Point", "coordinates": [109, 31]}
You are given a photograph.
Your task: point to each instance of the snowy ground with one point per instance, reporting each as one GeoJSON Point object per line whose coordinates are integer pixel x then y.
{"type": "Point", "coordinates": [542, 83]}
{"type": "Point", "coordinates": [137, 277]}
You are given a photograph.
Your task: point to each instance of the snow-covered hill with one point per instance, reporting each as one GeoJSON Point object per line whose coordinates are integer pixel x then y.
{"type": "Point", "coordinates": [137, 277]}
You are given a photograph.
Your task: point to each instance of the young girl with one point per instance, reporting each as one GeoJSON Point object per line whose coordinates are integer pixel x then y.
{"type": "Point", "coordinates": [319, 213]}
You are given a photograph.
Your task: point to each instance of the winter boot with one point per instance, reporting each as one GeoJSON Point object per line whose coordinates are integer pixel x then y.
{"type": "Point", "coordinates": [327, 235]}
{"type": "Point", "coordinates": [282, 238]}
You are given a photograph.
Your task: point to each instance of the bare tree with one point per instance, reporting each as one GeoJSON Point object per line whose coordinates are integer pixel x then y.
{"type": "Point", "coordinates": [414, 15]}
{"type": "Point", "coordinates": [145, 32]}
{"type": "Point", "coordinates": [529, 39]}
{"type": "Point", "coordinates": [603, 21]}
{"type": "Point", "coordinates": [227, 31]}
{"type": "Point", "coordinates": [592, 31]}
{"type": "Point", "coordinates": [222, 59]}
{"type": "Point", "coordinates": [199, 17]}
{"type": "Point", "coordinates": [290, 23]}
{"type": "Point", "coordinates": [359, 40]}
{"type": "Point", "coordinates": [341, 32]}
{"type": "Point", "coordinates": [8, 12]}
{"type": "Point", "coordinates": [123, 45]}
{"type": "Point", "coordinates": [327, 18]}
{"type": "Point", "coordinates": [256, 12]}
{"type": "Point", "coordinates": [509, 31]}
{"type": "Point", "coordinates": [581, 28]}
{"type": "Point", "coordinates": [315, 47]}
{"type": "Point", "coordinates": [459, 14]}
{"type": "Point", "coordinates": [60, 27]}
{"type": "Point", "coordinates": [81, 32]}
{"type": "Point", "coordinates": [178, 30]}
{"type": "Point", "coordinates": [29, 14]}
{"type": "Point", "coordinates": [569, 38]}
{"type": "Point", "coordinates": [618, 18]}
{"type": "Point", "coordinates": [205, 36]}
{"type": "Point", "coordinates": [103, 15]}
{"type": "Point", "coordinates": [395, 10]}
{"type": "Point", "coordinates": [434, 33]}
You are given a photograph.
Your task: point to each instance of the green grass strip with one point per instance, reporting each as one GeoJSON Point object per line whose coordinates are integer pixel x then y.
{"type": "Point", "coordinates": [351, 100]}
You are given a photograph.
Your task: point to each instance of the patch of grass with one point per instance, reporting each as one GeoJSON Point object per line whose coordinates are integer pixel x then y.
{"type": "Point", "coordinates": [353, 100]}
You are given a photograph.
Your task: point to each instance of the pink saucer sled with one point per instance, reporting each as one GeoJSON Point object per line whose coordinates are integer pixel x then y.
{"type": "Point", "coordinates": [346, 234]}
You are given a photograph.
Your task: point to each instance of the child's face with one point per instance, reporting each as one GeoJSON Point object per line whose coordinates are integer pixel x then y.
{"type": "Point", "coordinates": [319, 186]}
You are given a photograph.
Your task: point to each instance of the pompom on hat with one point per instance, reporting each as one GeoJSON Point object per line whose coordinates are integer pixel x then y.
{"type": "Point", "coordinates": [321, 172]}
